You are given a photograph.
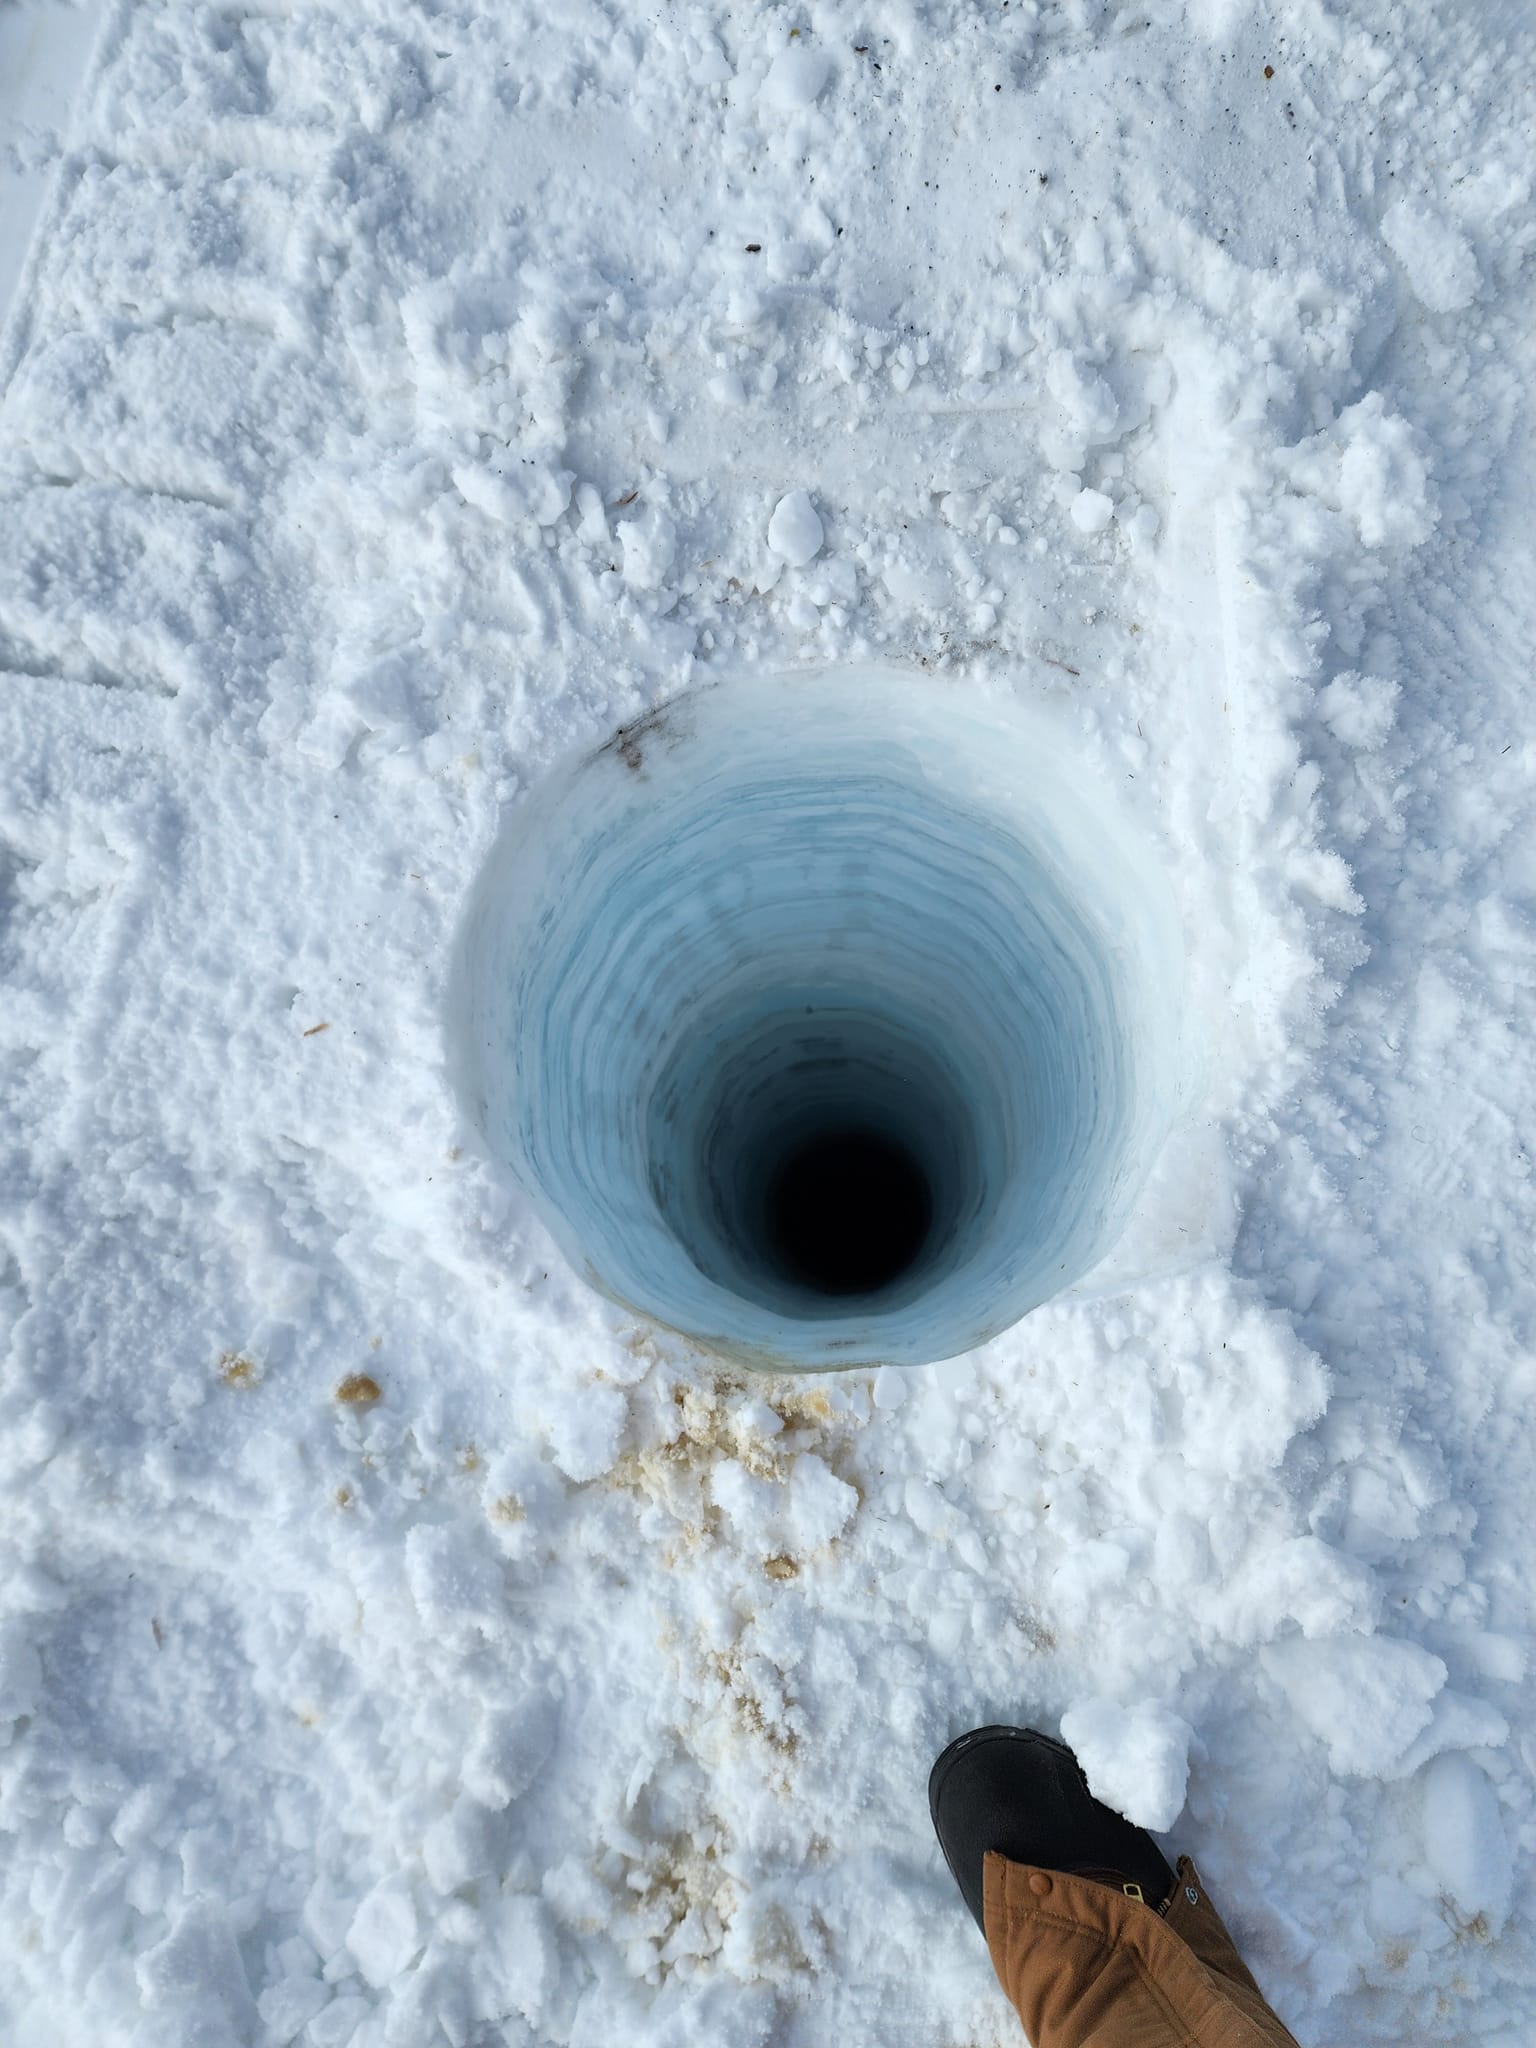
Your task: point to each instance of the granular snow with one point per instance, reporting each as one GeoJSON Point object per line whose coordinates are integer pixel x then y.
{"type": "Point", "coordinates": [396, 398]}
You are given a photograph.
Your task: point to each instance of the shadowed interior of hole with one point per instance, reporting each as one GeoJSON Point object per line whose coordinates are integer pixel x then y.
{"type": "Point", "coordinates": [847, 1211]}
{"type": "Point", "coordinates": [746, 1095]}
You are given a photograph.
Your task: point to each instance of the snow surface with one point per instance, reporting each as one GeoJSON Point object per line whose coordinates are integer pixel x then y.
{"type": "Point", "coordinates": [395, 1647]}
{"type": "Point", "coordinates": [45, 50]}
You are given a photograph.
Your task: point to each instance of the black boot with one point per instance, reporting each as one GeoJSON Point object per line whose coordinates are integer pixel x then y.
{"type": "Point", "coordinates": [1021, 1793]}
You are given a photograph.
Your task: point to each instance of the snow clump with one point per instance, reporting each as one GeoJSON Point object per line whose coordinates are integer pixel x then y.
{"type": "Point", "coordinates": [795, 531]}
{"type": "Point", "coordinates": [1136, 1759]}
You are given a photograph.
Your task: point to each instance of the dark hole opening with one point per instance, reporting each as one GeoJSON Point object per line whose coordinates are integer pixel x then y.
{"type": "Point", "coordinates": [848, 1212]}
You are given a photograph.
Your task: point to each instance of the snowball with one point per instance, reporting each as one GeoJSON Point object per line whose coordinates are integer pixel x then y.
{"type": "Point", "coordinates": [385, 1935]}
{"type": "Point", "coordinates": [1365, 1697]}
{"type": "Point", "coordinates": [1465, 1844]}
{"type": "Point", "coordinates": [1437, 258]}
{"type": "Point", "coordinates": [797, 77]}
{"type": "Point", "coordinates": [795, 530]}
{"type": "Point", "coordinates": [1092, 511]}
{"type": "Point", "coordinates": [1136, 1758]}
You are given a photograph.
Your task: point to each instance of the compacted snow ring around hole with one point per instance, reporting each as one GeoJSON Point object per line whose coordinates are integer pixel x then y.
{"type": "Point", "coordinates": [822, 1023]}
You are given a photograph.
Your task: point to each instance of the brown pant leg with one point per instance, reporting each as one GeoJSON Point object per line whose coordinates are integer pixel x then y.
{"type": "Point", "coordinates": [1087, 1967]}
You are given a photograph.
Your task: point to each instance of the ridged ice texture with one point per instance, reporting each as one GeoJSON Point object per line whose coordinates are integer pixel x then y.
{"type": "Point", "coordinates": [784, 905]}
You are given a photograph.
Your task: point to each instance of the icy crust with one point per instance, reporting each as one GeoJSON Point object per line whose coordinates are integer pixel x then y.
{"type": "Point", "coordinates": [396, 1645]}
{"type": "Point", "coordinates": [685, 921]}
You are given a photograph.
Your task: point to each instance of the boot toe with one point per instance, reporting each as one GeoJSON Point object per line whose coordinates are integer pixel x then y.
{"type": "Point", "coordinates": [1024, 1794]}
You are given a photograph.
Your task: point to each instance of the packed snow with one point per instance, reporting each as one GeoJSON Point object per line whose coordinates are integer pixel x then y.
{"type": "Point", "coordinates": [398, 1644]}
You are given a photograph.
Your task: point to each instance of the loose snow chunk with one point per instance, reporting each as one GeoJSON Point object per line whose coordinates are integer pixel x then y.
{"type": "Point", "coordinates": [1458, 1722]}
{"type": "Point", "coordinates": [795, 531]}
{"type": "Point", "coordinates": [915, 583]}
{"type": "Point", "coordinates": [1437, 259]}
{"type": "Point", "coordinates": [510, 1751]}
{"type": "Point", "coordinates": [526, 1943]}
{"type": "Point", "coordinates": [1092, 410]}
{"type": "Point", "coordinates": [1360, 710]}
{"type": "Point", "coordinates": [529, 492]}
{"type": "Point", "coordinates": [585, 1433]}
{"type": "Point", "coordinates": [820, 1504]}
{"type": "Point", "coordinates": [385, 1934]}
{"type": "Point", "coordinates": [1301, 1580]}
{"type": "Point", "coordinates": [487, 492]}
{"type": "Point", "coordinates": [1464, 1840]}
{"type": "Point", "coordinates": [1092, 511]}
{"type": "Point", "coordinates": [1136, 1758]}
{"type": "Point", "coordinates": [288, 2006]}
{"type": "Point", "coordinates": [797, 77]}
{"type": "Point", "coordinates": [709, 64]}
{"type": "Point", "coordinates": [768, 1516]}
{"type": "Point", "coordinates": [650, 545]}
{"type": "Point", "coordinates": [456, 1849]}
{"type": "Point", "coordinates": [198, 1968]}
{"type": "Point", "coordinates": [1366, 1697]}
{"type": "Point", "coordinates": [1383, 484]}
{"type": "Point", "coordinates": [749, 1504]}
{"type": "Point", "coordinates": [1368, 466]}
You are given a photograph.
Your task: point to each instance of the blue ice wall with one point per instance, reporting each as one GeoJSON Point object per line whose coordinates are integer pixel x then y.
{"type": "Point", "coordinates": [852, 896]}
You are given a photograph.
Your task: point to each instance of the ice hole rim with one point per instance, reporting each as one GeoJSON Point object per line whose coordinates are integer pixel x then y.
{"type": "Point", "coordinates": [783, 905]}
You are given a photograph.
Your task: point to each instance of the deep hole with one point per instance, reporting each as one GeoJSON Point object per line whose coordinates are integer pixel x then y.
{"type": "Point", "coordinates": [848, 1212]}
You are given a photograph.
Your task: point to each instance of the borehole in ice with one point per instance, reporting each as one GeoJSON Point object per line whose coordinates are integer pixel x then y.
{"type": "Point", "coordinates": [829, 1019]}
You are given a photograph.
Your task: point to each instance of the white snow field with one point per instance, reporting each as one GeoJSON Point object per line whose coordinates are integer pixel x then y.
{"type": "Point", "coordinates": [397, 1644]}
